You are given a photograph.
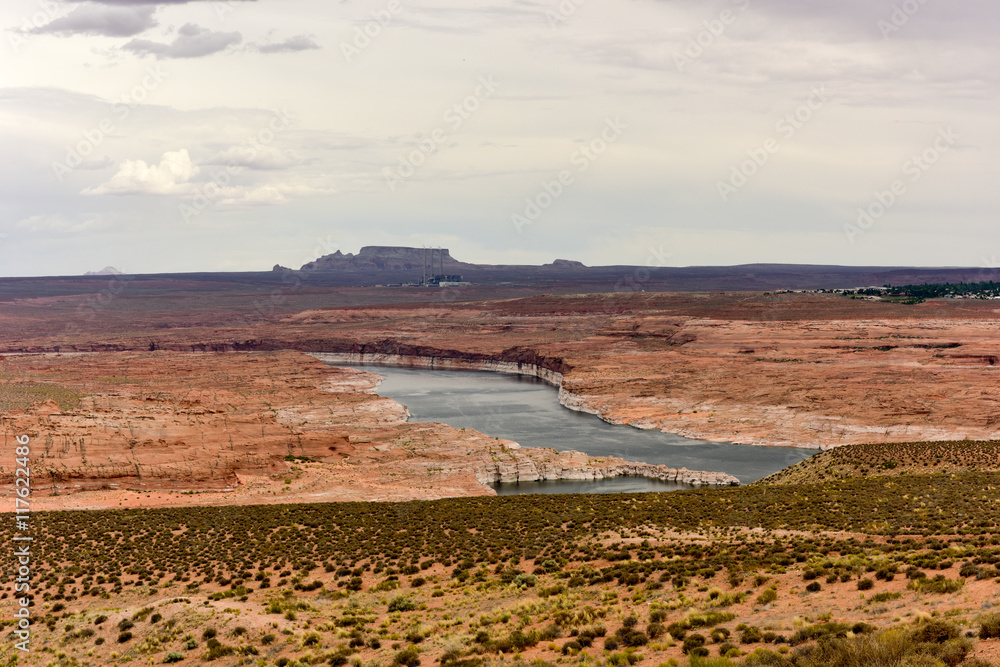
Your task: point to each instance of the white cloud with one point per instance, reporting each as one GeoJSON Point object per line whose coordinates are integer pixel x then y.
{"type": "Point", "coordinates": [192, 41]}
{"type": "Point", "coordinates": [295, 43]}
{"type": "Point", "coordinates": [170, 177]}
{"type": "Point", "coordinates": [101, 20]}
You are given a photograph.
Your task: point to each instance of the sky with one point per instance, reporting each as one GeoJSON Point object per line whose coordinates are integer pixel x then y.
{"type": "Point", "coordinates": [233, 135]}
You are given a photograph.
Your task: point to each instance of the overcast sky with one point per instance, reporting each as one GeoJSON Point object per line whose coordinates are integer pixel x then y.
{"type": "Point", "coordinates": [223, 135]}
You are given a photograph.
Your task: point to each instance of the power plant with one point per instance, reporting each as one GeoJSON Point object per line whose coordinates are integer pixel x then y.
{"type": "Point", "coordinates": [440, 278]}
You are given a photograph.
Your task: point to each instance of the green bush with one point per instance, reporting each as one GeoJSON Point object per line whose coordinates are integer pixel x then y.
{"type": "Point", "coordinates": [989, 626]}
{"type": "Point", "coordinates": [935, 631]}
{"type": "Point", "coordinates": [402, 603]}
{"type": "Point", "coordinates": [939, 584]}
{"type": "Point", "coordinates": [691, 642]}
{"type": "Point", "coordinates": [408, 657]}
{"type": "Point", "coordinates": [173, 656]}
{"type": "Point", "coordinates": [768, 596]}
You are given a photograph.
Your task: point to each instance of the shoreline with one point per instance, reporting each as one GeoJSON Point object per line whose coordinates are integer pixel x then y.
{"type": "Point", "coordinates": [523, 469]}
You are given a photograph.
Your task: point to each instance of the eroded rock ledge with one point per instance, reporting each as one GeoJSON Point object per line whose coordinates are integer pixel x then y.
{"type": "Point", "coordinates": [537, 464]}
{"type": "Point", "coordinates": [449, 363]}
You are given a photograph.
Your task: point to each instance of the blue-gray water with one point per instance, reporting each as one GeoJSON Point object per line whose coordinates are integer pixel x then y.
{"type": "Point", "coordinates": [527, 411]}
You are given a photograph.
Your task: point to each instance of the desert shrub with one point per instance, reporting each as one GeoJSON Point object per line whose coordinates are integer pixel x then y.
{"type": "Point", "coordinates": [719, 635]}
{"type": "Point", "coordinates": [402, 603]}
{"type": "Point", "coordinates": [677, 630]}
{"type": "Point", "coordinates": [691, 642]}
{"type": "Point", "coordinates": [989, 626]}
{"type": "Point", "coordinates": [813, 586]}
{"type": "Point", "coordinates": [124, 637]}
{"type": "Point", "coordinates": [125, 624]}
{"type": "Point", "coordinates": [726, 648]}
{"type": "Point", "coordinates": [935, 631]}
{"type": "Point", "coordinates": [631, 637]}
{"type": "Point", "coordinates": [708, 619]}
{"type": "Point", "coordinates": [824, 630]}
{"type": "Point", "coordinates": [572, 647]}
{"type": "Point", "coordinates": [939, 584]}
{"type": "Point", "coordinates": [217, 650]}
{"type": "Point", "coordinates": [865, 584]}
{"type": "Point", "coordinates": [655, 630]}
{"type": "Point", "coordinates": [751, 635]}
{"type": "Point", "coordinates": [173, 656]}
{"type": "Point", "coordinates": [390, 584]}
{"type": "Point", "coordinates": [525, 580]}
{"type": "Point", "coordinates": [768, 596]}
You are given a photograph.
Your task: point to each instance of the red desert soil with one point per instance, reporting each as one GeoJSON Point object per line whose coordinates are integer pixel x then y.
{"type": "Point", "coordinates": [807, 370]}
{"type": "Point", "coordinates": [170, 428]}
{"type": "Point", "coordinates": [801, 382]}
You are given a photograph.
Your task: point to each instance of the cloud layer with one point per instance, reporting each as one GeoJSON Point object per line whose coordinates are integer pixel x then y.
{"type": "Point", "coordinates": [371, 123]}
{"type": "Point", "coordinates": [92, 19]}
{"type": "Point", "coordinates": [192, 41]}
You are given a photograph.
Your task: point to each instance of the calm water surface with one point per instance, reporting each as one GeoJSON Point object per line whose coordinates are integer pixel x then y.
{"type": "Point", "coordinates": [527, 411]}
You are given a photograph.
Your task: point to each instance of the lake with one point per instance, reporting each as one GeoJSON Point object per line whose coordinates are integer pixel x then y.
{"type": "Point", "coordinates": [527, 411]}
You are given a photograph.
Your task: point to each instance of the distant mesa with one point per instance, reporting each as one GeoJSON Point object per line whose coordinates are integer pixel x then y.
{"type": "Point", "coordinates": [402, 258]}
{"type": "Point", "coordinates": [106, 271]}
{"type": "Point", "coordinates": [387, 258]}
{"type": "Point", "coordinates": [566, 264]}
